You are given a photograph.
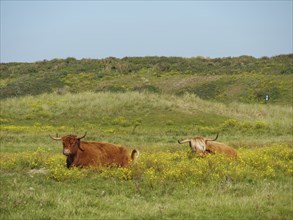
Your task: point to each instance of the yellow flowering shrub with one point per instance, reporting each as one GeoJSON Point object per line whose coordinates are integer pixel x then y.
{"type": "Point", "coordinates": [180, 166]}
{"type": "Point", "coordinates": [120, 173]}
{"type": "Point", "coordinates": [165, 166]}
{"type": "Point", "coordinates": [22, 160]}
{"type": "Point", "coordinates": [58, 171]}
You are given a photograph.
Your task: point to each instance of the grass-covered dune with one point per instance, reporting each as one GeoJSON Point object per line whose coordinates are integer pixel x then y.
{"type": "Point", "coordinates": [229, 79]}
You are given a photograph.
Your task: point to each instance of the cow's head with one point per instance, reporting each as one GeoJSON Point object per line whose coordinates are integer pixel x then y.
{"type": "Point", "coordinates": [71, 144]}
{"type": "Point", "coordinates": [197, 144]}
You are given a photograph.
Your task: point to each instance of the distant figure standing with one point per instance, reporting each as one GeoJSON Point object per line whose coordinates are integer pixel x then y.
{"type": "Point", "coordinates": [267, 99]}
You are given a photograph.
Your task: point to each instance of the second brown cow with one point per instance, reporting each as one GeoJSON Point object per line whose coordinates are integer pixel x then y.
{"type": "Point", "coordinates": [84, 153]}
{"type": "Point", "coordinates": [202, 146]}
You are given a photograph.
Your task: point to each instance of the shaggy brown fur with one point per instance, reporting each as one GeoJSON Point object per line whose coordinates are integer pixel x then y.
{"type": "Point", "coordinates": [215, 147]}
{"type": "Point", "coordinates": [82, 153]}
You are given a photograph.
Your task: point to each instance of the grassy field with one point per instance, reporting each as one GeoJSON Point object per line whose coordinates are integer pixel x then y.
{"type": "Point", "coordinates": [167, 182]}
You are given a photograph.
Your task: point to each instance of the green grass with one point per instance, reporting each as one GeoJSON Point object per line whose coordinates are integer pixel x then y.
{"type": "Point", "coordinates": [95, 198]}
{"type": "Point", "coordinates": [35, 183]}
{"type": "Point", "coordinates": [138, 119]}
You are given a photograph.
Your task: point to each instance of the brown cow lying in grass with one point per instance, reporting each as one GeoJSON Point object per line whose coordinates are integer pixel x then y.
{"type": "Point", "coordinates": [202, 146]}
{"type": "Point", "coordinates": [82, 153]}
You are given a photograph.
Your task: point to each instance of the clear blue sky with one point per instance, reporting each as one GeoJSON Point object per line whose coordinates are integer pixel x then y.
{"type": "Point", "coordinates": [37, 30]}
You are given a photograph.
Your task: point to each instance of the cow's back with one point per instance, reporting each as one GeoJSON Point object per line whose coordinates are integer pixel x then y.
{"type": "Point", "coordinates": [99, 153]}
{"type": "Point", "coordinates": [217, 147]}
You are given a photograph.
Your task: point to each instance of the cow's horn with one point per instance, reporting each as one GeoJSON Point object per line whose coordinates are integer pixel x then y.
{"type": "Point", "coordinates": [82, 136]}
{"type": "Point", "coordinates": [214, 138]}
{"type": "Point", "coordinates": [55, 138]}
